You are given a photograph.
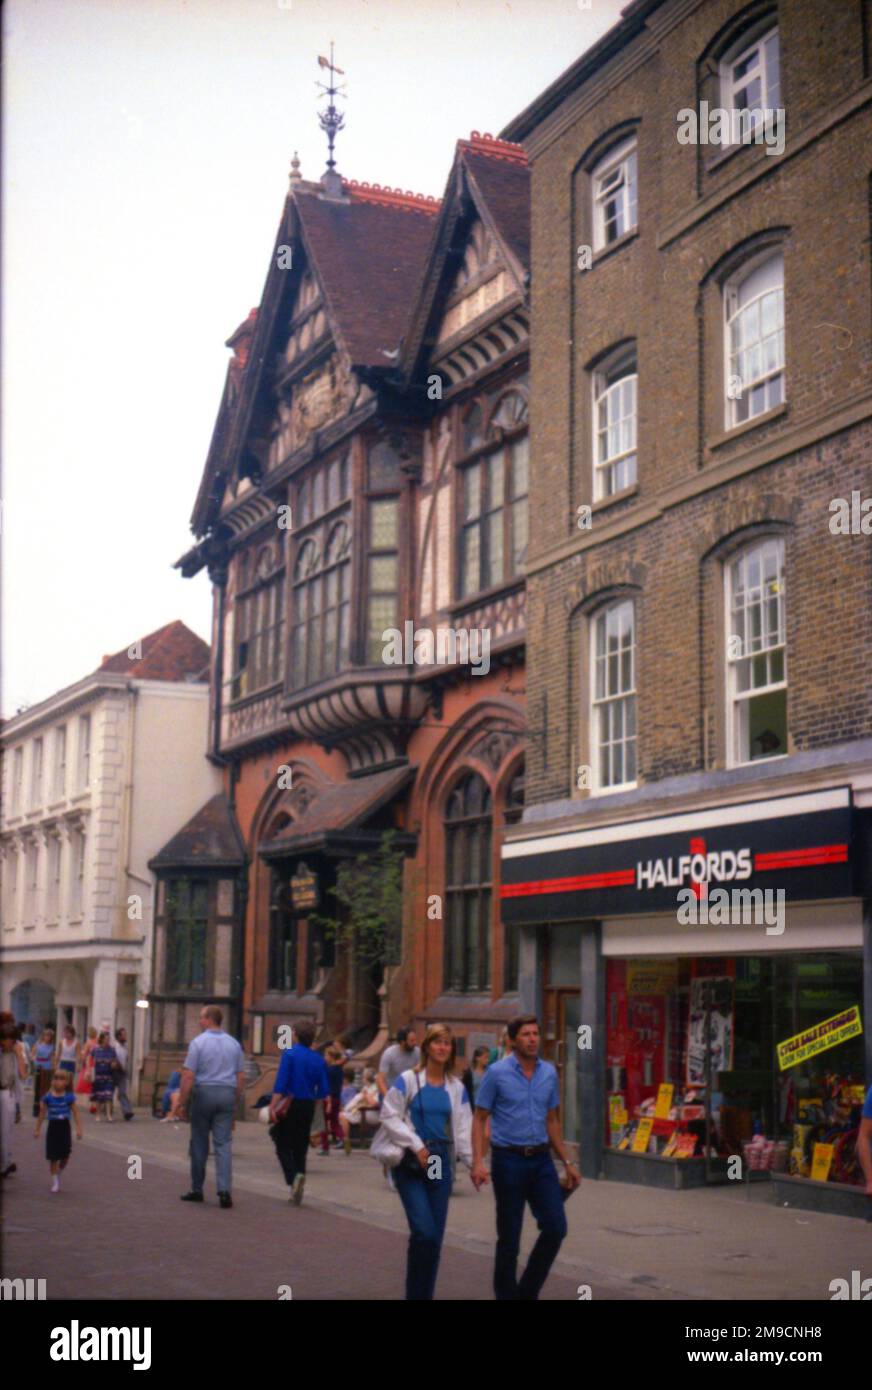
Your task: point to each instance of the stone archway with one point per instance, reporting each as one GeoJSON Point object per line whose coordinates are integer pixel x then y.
{"type": "Point", "coordinates": [33, 1001]}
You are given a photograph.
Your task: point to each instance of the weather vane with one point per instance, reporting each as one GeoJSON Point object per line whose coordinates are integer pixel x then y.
{"type": "Point", "coordinates": [331, 120]}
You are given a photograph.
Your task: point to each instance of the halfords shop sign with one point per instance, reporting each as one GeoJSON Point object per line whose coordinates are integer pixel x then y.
{"type": "Point", "coordinates": [800, 844]}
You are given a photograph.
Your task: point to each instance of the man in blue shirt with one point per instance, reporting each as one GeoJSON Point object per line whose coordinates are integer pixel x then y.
{"type": "Point", "coordinates": [214, 1070]}
{"type": "Point", "coordinates": [302, 1076]}
{"type": "Point", "coordinates": [864, 1142]}
{"type": "Point", "coordinates": [522, 1097]}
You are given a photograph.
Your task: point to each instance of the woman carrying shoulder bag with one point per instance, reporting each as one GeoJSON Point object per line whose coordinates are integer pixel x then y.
{"type": "Point", "coordinates": [426, 1113]}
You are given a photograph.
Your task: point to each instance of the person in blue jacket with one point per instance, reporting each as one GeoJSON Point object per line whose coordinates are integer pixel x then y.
{"type": "Point", "coordinates": [302, 1080]}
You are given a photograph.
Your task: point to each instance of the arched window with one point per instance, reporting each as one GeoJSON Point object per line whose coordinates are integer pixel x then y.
{"type": "Point", "coordinates": [468, 885]}
{"type": "Point", "coordinates": [613, 696]}
{"type": "Point", "coordinates": [259, 622]}
{"type": "Point", "coordinates": [613, 185]}
{"type": "Point", "coordinates": [322, 598]}
{"type": "Point", "coordinates": [750, 71]}
{"type": "Point", "coordinates": [614, 416]}
{"type": "Point", "coordinates": [754, 314]}
{"type": "Point", "coordinates": [757, 654]}
{"type": "Point", "coordinates": [473, 429]}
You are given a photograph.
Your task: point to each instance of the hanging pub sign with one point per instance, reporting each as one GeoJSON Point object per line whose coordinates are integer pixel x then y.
{"type": "Point", "coordinates": [799, 844]}
{"type": "Point", "coordinates": [304, 889]}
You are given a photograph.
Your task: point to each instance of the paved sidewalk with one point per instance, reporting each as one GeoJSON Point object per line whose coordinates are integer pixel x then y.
{"type": "Point", "coordinates": [624, 1241]}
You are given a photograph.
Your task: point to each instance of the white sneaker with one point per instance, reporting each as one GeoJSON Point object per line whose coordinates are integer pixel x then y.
{"type": "Point", "coordinates": [55, 1184]}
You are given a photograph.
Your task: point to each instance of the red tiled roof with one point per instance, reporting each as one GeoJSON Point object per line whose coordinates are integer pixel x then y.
{"type": "Point", "coordinates": [342, 806]}
{"type": "Point", "coordinates": [504, 184]}
{"type": "Point", "coordinates": [368, 254]}
{"type": "Point", "coordinates": [172, 653]}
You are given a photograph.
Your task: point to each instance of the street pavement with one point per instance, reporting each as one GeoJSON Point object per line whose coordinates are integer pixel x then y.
{"type": "Point", "coordinates": [110, 1236]}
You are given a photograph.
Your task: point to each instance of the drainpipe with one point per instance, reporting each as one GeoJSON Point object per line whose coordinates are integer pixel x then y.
{"type": "Point", "coordinates": [218, 575]}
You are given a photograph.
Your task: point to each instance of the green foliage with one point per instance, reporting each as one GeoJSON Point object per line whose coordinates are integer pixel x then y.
{"type": "Point", "coordinates": [370, 889]}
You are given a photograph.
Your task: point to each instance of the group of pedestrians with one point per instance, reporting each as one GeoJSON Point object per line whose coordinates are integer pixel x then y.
{"type": "Point", "coordinates": [60, 1072]}
{"type": "Point", "coordinates": [426, 1129]}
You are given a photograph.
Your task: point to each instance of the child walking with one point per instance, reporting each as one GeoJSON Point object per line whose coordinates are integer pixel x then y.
{"type": "Point", "coordinates": [57, 1105]}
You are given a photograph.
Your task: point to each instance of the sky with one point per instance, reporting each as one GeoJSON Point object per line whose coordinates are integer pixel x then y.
{"type": "Point", "coordinates": [146, 151]}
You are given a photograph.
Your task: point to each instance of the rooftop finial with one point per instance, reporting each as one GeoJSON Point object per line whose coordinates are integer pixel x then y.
{"type": "Point", "coordinates": [296, 176]}
{"type": "Point", "coordinates": [331, 122]}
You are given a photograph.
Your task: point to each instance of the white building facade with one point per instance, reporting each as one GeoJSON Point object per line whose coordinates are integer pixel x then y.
{"type": "Point", "coordinates": [95, 779]}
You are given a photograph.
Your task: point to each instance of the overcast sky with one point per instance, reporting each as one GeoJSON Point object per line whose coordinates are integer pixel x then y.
{"type": "Point", "coordinates": [147, 145]}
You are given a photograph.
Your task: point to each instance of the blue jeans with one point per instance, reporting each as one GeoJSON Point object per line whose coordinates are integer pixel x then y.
{"type": "Point", "coordinates": [425, 1201]}
{"type": "Point", "coordinates": [516, 1181]}
{"type": "Point", "coordinates": [212, 1112]}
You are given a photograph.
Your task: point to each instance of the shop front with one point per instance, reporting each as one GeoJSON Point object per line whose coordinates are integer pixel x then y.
{"type": "Point", "coordinates": [704, 980]}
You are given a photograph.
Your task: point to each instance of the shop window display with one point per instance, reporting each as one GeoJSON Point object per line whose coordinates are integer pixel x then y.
{"type": "Point", "coordinates": [774, 1043]}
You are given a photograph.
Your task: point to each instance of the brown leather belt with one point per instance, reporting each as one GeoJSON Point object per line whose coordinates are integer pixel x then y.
{"type": "Point", "coordinates": [527, 1152]}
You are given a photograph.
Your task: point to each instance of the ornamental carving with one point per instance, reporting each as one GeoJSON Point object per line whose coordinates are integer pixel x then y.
{"type": "Point", "coordinates": [493, 748]}
{"type": "Point", "coordinates": [323, 395]}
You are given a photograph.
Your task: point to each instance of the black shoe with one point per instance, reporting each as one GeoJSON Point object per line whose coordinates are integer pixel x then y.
{"type": "Point", "coordinates": [224, 1199]}
{"type": "Point", "coordinates": [192, 1197]}
{"type": "Point", "coordinates": [129, 1117]}
{"type": "Point", "coordinates": [13, 1168]}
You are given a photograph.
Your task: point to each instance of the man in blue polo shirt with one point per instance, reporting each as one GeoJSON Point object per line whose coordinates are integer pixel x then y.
{"type": "Point", "coordinates": [302, 1076]}
{"type": "Point", "coordinates": [522, 1097]}
{"type": "Point", "coordinates": [214, 1070]}
{"type": "Point", "coordinates": [864, 1142]}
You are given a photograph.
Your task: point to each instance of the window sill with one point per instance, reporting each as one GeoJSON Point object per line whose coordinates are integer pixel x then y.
{"type": "Point", "coordinates": [273, 688]}
{"type": "Point", "coordinates": [80, 796]}
{"type": "Point", "coordinates": [613, 497]}
{"type": "Point", "coordinates": [737, 431]}
{"type": "Point", "coordinates": [465, 605]}
{"type": "Point", "coordinates": [57, 805]}
{"type": "Point", "coordinates": [605, 251]}
{"type": "Point", "coordinates": [755, 762]}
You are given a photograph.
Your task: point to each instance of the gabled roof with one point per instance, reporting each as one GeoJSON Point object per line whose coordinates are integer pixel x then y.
{"type": "Point", "coordinates": [343, 806]}
{"type": "Point", "coordinates": [211, 839]}
{"type": "Point", "coordinates": [366, 250]}
{"type": "Point", "coordinates": [491, 177]}
{"type": "Point", "coordinates": [172, 653]}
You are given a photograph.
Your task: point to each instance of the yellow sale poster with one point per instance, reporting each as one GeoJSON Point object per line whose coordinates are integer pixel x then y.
{"type": "Point", "coordinates": [829, 1033]}
{"type": "Point", "coordinates": [821, 1161]}
{"type": "Point", "coordinates": [664, 1101]}
{"type": "Point", "coordinates": [643, 1135]}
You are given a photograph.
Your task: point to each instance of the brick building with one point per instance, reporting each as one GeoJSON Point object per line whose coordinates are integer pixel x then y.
{"type": "Point", "coordinates": [376, 402]}
{"type": "Point", "coordinates": [700, 608]}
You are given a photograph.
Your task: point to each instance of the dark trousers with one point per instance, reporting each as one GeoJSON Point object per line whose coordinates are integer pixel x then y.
{"type": "Point", "coordinates": [425, 1202]}
{"type": "Point", "coordinates": [332, 1127]}
{"type": "Point", "coordinates": [291, 1138]}
{"type": "Point", "coordinates": [516, 1181]}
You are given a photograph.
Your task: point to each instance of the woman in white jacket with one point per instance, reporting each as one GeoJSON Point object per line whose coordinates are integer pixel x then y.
{"type": "Point", "coordinates": [427, 1113]}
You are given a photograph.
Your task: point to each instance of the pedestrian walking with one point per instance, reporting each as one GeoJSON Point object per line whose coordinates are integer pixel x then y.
{"type": "Point", "coordinates": [69, 1053]}
{"type": "Point", "coordinates": [501, 1050]}
{"type": "Point", "coordinates": [473, 1076]}
{"type": "Point", "coordinates": [521, 1096]}
{"type": "Point", "coordinates": [13, 1070]}
{"type": "Point", "coordinates": [334, 1058]}
{"type": "Point", "coordinates": [301, 1081]}
{"type": "Point", "coordinates": [58, 1105]}
{"type": "Point", "coordinates": [104, 1066]}
{"type": "Point", "coordinates": [427, 1114]}
{"type": "Point", "coordinates": [43, 1061]}
{"type": "Point", "coordinates": [84, 1085]}
{"type": "Point", "coordinates": [397, 1058]}
{"type": "Point", "coordinates": [213, 1079]}
{"type": "Point", "coordinates": [122, 1079]}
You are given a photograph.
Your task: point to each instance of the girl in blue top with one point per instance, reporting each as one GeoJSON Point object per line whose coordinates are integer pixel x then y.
{"type": "Point", "coordinates": [57, 1105]}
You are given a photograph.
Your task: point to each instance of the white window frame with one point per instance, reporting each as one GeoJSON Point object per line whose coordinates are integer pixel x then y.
{"type": "Point", "coordinates": [53, 878]}
{"type": "Point", "coordinates": [732, 312]}
{"type": "Point", "coordinates": [83, 753]}
{"type": "Point", "coordinates": [37, 773]}
{"type": "Point", "coordinates": [609, 382]}
{"type": "Point", "coordinates": [738, 700]}
{"type": "Point", "coordinates": [77, 873]}
{"type": "Point", "coordinates": [59, 772]}
{"type": "Point", "coordinates": [616, 162]}
{"type": "Point", "coordinates": [31, 883]}
{"type": "Point", "coordinates": [623, 697]}
{"type": "Point", "coordinates": [770, 91]}
{"type": "Point", "coordinates": [17, 780]}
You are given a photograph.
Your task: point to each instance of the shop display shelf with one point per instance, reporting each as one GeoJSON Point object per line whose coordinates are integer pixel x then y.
{"type": "Point", "coordinates": [650, 1170]}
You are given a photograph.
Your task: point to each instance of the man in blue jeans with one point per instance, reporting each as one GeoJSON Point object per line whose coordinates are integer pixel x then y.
{"type": "Point", "coordinates": [522, 1097]}
{"type": "Point", "coordinates": [214, 1070]}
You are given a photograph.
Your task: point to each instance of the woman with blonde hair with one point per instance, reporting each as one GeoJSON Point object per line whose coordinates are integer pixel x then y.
{"type": "Point", "coordinates": [427, 1113]}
